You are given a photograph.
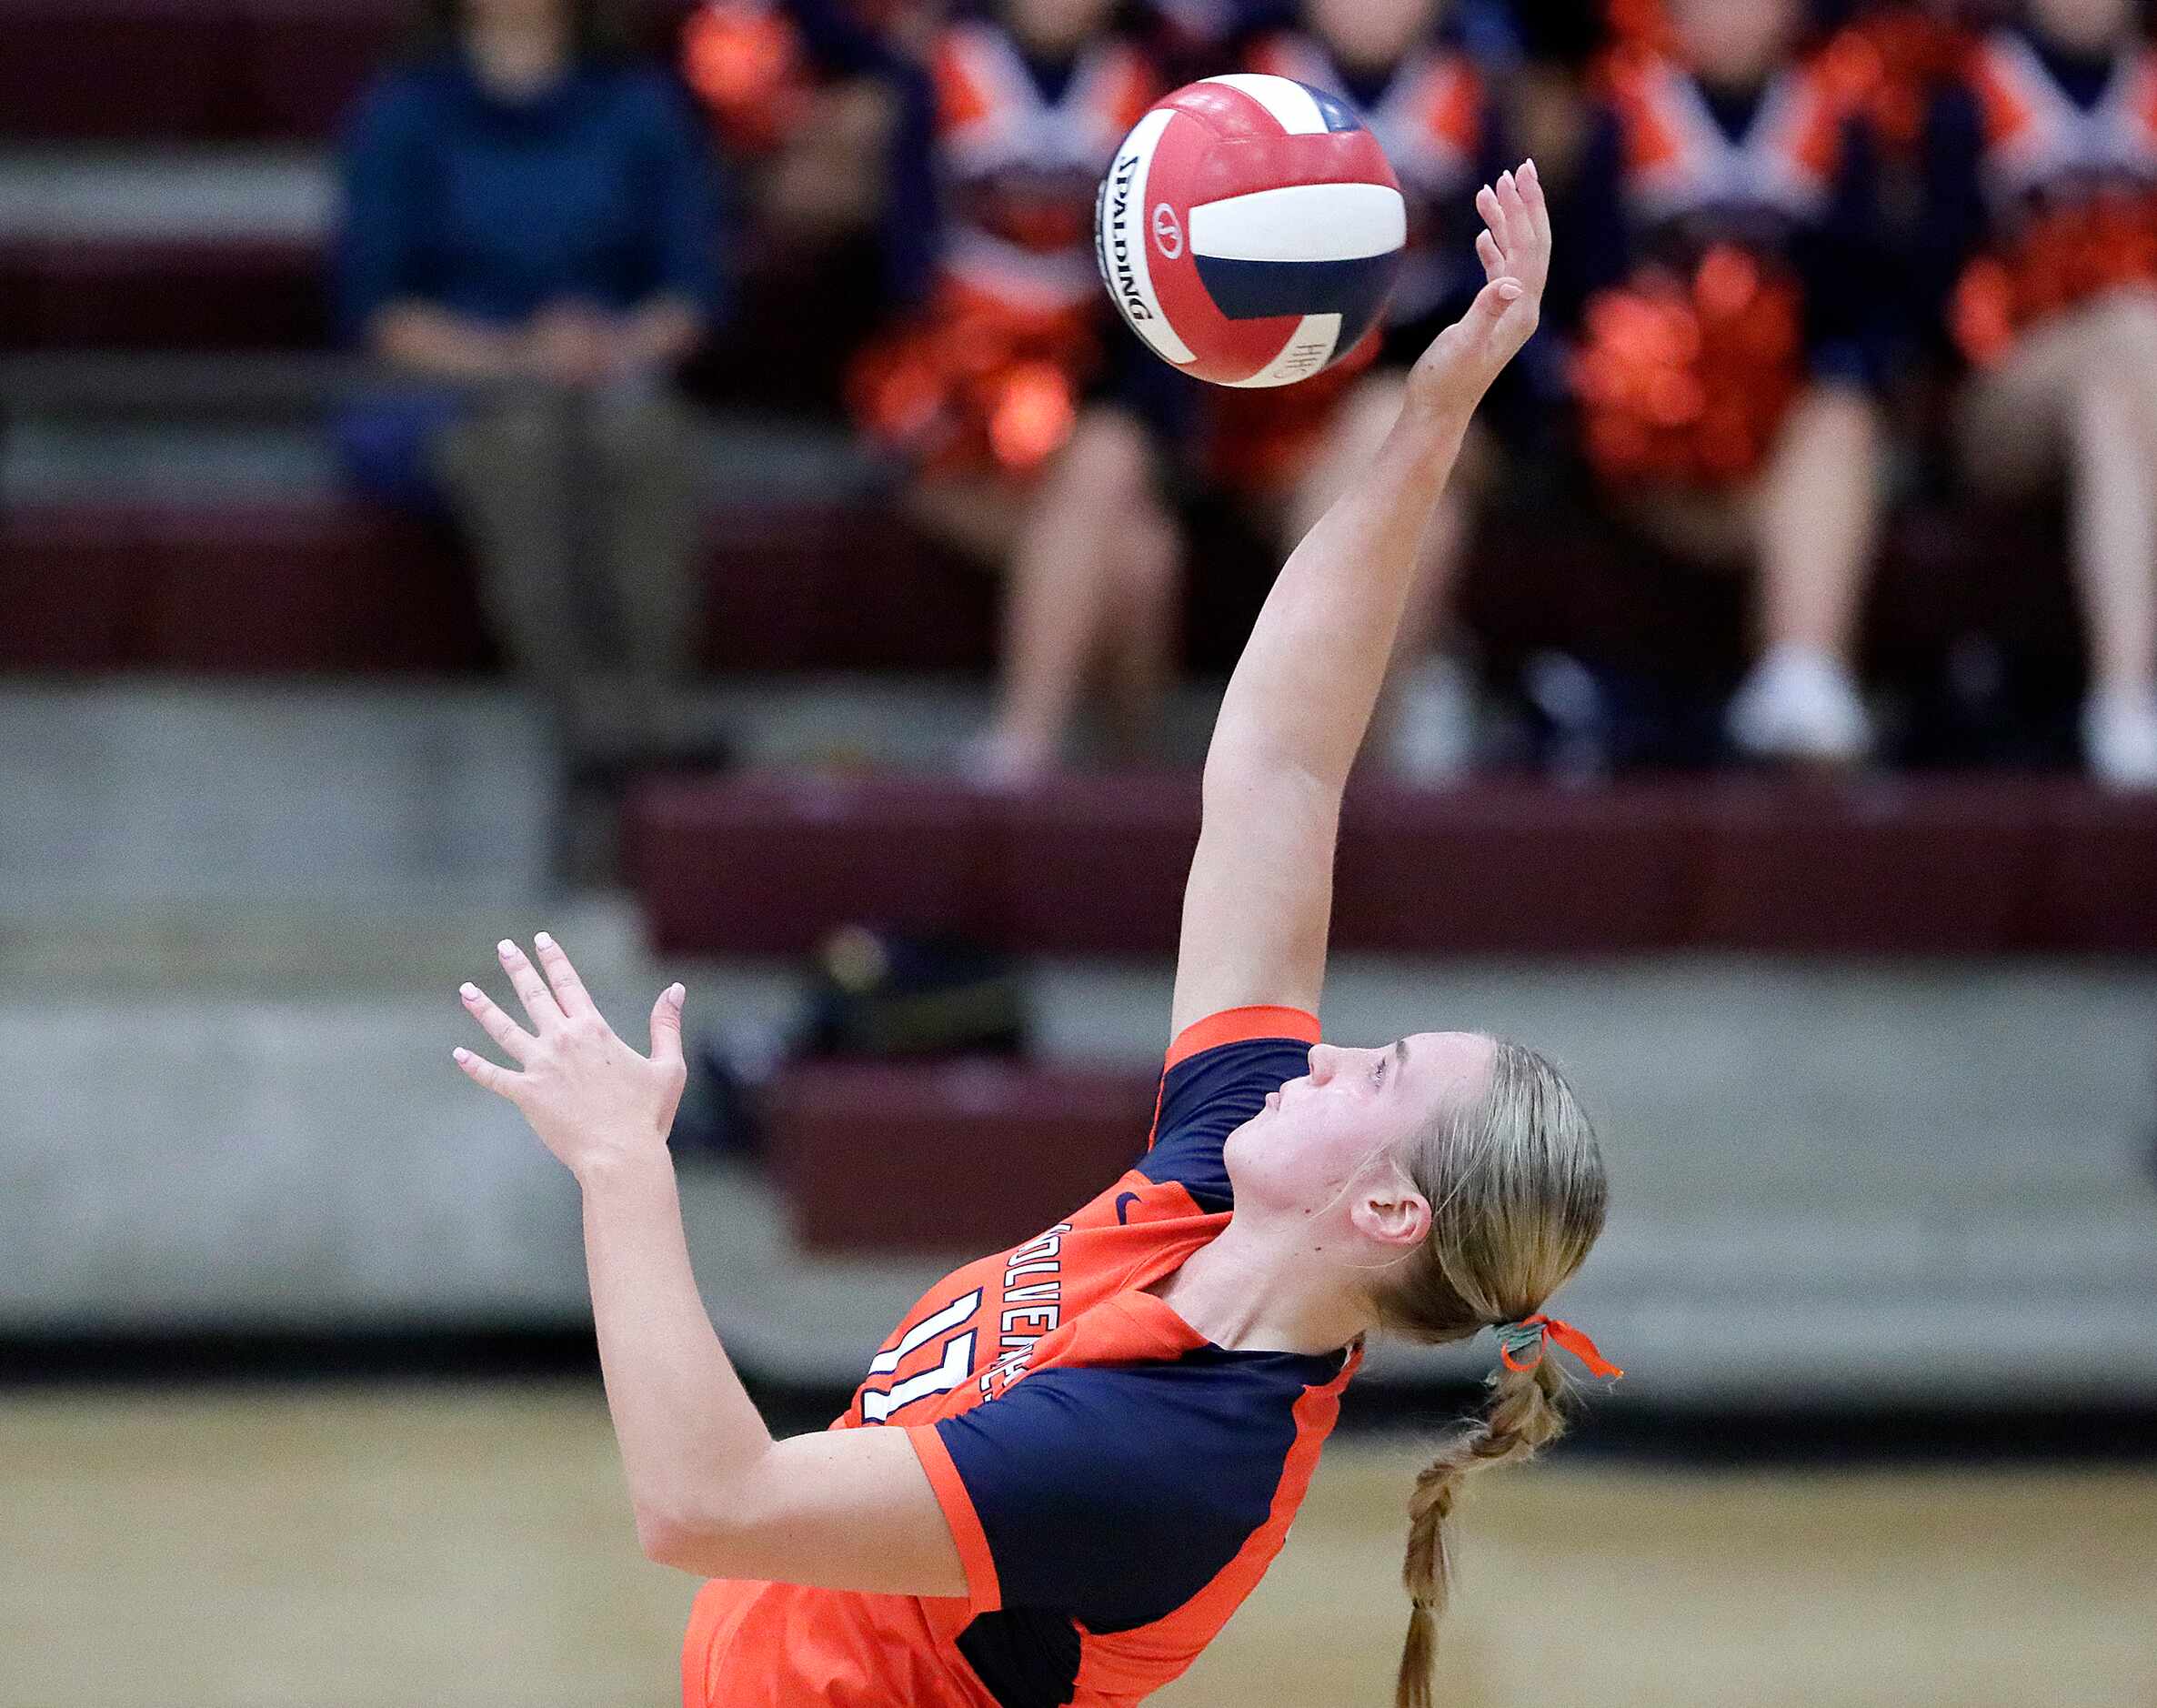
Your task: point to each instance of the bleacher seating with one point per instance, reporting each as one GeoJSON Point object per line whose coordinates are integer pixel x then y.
{"type": "Point", "coordinates": [973, 1155]}
{"type": "Point", "coordinates": [767, 865]}
{"type": "Point", "coordinates": [200, 70]}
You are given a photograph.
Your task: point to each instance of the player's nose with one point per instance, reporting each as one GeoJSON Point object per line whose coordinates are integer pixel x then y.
{"type": "Point", "coordinates": [1324, 1059]}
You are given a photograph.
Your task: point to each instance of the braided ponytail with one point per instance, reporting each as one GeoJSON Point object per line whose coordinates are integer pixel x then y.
{"type": "Point", "coordinates": [1516, 1186]}
{"type": "Point", "coordinates": [1523, 1416]}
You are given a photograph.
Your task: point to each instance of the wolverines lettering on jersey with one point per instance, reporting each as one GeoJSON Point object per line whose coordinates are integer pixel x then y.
{"type": "Point", "coordinates": [2073, 192]}
{"type": "Point", "coordinates": [1686, 372]}
{"type": "Point", "coordinates": [1249, 230]}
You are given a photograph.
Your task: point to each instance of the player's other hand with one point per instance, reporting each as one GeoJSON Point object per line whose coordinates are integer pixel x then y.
{"type": "Point", "coordinates": [1514, 247]}
{"type": "Point", "coordinates": [589, 1097]}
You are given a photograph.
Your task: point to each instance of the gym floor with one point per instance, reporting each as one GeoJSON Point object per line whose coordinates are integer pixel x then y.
{"type": "Point", "coordinates": [378, 1547]}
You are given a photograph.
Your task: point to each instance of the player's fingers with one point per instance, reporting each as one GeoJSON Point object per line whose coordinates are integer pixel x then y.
{"type": "Point", "coordinates": [1520, 228]}
{"type": "Point", "coordinates": [1487, 205]}
{"type": "Point", "coordinates": [531, 990]}
{"type": "Point", "coordinates": [1487, 252]}
{"type": "Point", "coordinates": [497, 1025]}
{"type": "Point", "coordinates": [483, 1072]}
{"type": "Point", "coordinates": [1530, 181]}
{"type": "Point", "coordinates": [666, 1027]}
{"type": "Point", "coordinates": [569, 989]}
{"type": "Point", "coordinates": [1490, 304]}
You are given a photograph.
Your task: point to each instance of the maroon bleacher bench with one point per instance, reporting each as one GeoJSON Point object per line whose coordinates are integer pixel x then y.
{"type": "Point", "coordinates": [1931, 866]}
{"type": "Point", "coordinates": [969, 1156]}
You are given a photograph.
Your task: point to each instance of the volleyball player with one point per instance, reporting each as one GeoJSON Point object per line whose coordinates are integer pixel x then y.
{"type": "Point", "coordinates": [1073, 1460]}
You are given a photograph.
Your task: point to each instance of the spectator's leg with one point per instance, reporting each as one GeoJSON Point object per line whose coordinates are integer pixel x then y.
{"type": "Point", "coordinates": [1818, 521]}
{"type": "Point", "coordinates": [649, 461]}
{"type": "Point", "coordinates": [1427, 716]}
{"type": "Point", "coordinates": [1138, 649]}
{"type": "Point", "coordinates": [507, 468]}
{"type": "Point", "coordinates": [2080, 388]}
{"type": "Point", "coordinates": [2112, 447]}
{"type": "Point", "coordinates": [1061, 601]}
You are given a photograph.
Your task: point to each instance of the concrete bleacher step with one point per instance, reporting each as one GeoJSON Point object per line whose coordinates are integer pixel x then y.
{"type": "Point", "coordinates": [154, 794]}
{"type": "Point", "coordinates": [196, 248]}
{"type": "Point", "coordinates": [1093, 865]}
{"type": "Point", "coordinates": [261, 1130]}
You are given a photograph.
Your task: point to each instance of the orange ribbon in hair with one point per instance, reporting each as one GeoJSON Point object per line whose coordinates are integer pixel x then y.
{"type": "Point", "coordinates": [1527, 1336]}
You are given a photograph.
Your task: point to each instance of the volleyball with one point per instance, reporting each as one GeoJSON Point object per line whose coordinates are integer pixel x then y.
{"type": "Point", "coordinates": [1249, 230]}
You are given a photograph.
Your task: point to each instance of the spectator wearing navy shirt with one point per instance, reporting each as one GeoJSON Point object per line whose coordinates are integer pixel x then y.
{"type": "Point", "coordinates": [529, 246]}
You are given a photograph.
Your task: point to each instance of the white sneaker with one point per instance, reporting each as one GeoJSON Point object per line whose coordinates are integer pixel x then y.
{"type": "Point", "coordinates": [2120, 739]}
{"type": "Point", "coordinates": [1801, 703]}
{"type": "Point", "coordinates": [1432, 740]}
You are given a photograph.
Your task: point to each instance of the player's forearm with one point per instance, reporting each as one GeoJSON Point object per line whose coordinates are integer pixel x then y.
{"type": "Point", "coordinates": [688, 1431]}
{"type": "Point", "coordinates": [1303, 693]}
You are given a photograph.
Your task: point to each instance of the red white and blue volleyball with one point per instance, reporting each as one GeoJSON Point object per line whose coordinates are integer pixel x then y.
{"type": "Point", "coordinates": [1251, 229]}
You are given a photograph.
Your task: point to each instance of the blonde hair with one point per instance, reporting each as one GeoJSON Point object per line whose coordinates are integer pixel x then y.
{"type": "Point", "coordinates": [1517, 1195]}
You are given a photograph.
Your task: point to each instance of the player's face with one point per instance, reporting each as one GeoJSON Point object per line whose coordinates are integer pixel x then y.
{"type": "Point", "coordinates": [1370, 32]}
{"type": "Point", "coordinates": [1735, 41]}
{"type": "Point", "coordinates": [1319, 1137]}
{"type": "Point", "coordinates": [2084, 24]}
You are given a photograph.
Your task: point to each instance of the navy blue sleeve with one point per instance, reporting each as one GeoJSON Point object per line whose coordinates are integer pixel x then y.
{"type": "Point", "coordinates": [1115, 1493]}
{"type": "Point", "coordinates": [379, 247]}
{"type": "Point", "coordinates": [1204, 1099]}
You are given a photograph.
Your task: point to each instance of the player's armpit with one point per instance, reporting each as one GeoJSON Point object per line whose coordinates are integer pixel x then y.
{"type": "Point", "coordinates": [845, 1510]}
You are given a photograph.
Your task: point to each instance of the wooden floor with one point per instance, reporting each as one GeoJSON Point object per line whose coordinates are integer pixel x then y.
{"type": "Point", "coordinates": [386, 1549]}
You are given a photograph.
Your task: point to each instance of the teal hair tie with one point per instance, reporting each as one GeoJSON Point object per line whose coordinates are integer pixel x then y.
{"type": "Point", "coordinates": [1521, 1344]}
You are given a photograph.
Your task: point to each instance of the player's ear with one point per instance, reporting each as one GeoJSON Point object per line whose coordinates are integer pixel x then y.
{"type": "Point", "coordinates": [1390, 1211]}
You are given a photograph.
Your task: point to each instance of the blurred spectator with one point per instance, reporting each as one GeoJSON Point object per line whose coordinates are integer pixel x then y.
{"type": "Point", "coordinates": [1031, 434]}
{"type": "Point", "coordinates": [1729, 336]}
{"type": "Point", "coordinates": [1293, 451]}
{"type": "Point", "coordinates": [801, 93]}
{"type": "Point", "coordinates": [2044, 222]}
{"type": "Point", "coordinates": [809, 101]}
{"type": "Point", "coordinates": [530, 239]}
{"type": "Point", "coordinates": [1895, 56]}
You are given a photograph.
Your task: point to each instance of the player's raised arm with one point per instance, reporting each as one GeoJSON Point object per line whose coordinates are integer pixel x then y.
{"type": "Point", "coordinates": [1257, 908]}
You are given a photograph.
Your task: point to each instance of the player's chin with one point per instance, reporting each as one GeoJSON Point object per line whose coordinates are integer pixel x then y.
{"type": "Point", "coordinates": [1242, 1151]}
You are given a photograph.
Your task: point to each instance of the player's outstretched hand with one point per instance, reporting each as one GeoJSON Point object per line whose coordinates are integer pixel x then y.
{"type": "Point", "coordinates": [1514, 247]}
{"type": "Point", "coordinates": [588, 1096]}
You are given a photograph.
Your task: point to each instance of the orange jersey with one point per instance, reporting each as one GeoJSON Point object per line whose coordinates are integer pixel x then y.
{"type": "Point", "coordinates": [1116, 1484]}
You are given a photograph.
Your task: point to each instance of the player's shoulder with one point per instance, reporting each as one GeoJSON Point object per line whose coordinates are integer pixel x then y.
{"type": "Point", "coordinates": [1218, 1075]}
